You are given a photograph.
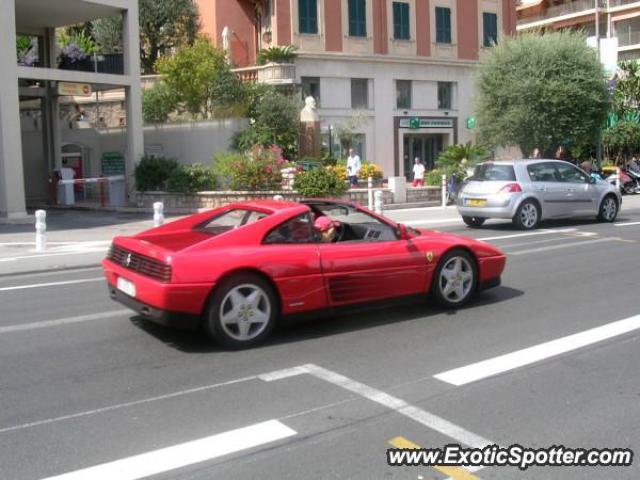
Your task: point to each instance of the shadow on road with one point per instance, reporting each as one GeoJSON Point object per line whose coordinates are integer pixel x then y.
{"type": "Point", "coordinates": [326, 325]}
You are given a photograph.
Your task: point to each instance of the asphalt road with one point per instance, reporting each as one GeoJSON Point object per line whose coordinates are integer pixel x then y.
{"type": "Point", "coordinates": [83, 383]}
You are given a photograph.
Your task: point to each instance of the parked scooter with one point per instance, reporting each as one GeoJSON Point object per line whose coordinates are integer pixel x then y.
{"type": "Point", "coordinates": [629, 181]}
{"type": "Point", "coordinates": [454, 184]}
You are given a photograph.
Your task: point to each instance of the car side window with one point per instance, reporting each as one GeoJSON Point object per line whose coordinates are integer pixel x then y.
{"type": "Point", "coordinates": [569, 174]}
{"type": "Point", "coordinates": [542, 172]}
{"type": "Point", "coordinates": [294, 231]}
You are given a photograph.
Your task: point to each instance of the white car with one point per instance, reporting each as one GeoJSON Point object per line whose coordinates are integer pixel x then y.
{"type": "Point", "coordinates": [528, 191]}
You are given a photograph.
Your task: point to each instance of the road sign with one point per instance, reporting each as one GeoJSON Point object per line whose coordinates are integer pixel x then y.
{"type": "Point", "coordinates": [74, 89]}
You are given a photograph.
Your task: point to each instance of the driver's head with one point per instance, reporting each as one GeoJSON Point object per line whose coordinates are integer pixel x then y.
{"type": "Point", "coordinates": [326, 228]}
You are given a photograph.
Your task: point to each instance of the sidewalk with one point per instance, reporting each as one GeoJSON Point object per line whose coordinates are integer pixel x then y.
{"type": "Point", "coordinates": [78, 238]}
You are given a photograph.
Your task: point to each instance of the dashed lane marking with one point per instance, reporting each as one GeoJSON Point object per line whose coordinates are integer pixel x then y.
{"type": "Point", "coordinates": [626, 224]}
{"type": "Point", "coordinates": [51, 284]}
{"type": "Point", "coordinates": [564, 245]}
{"type": "Point", "coordinates": [454, 473]}
{"type": "Point", "coordinates": [63, 321]}
{"type": "Point", "coordinates": [184, 454]}
{"type": "Point", "coordinates": [510, 361]}
{"type": "Point", "coordinates": [528, 234]}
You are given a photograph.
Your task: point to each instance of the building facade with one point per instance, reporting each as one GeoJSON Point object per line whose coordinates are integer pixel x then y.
{"type": "Point", "coordinates": [394, 79]}
{"type": "Point", "coordinates": [615, 18]}
{"type": "Point", "coordinates": [35, 84]}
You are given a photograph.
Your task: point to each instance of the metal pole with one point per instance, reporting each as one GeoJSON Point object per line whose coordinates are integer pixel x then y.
{"type": "Point", "coordinates": [158, 214]}
{"type": "Point", "coordinates": [598, 26]}
{"type": "Point", "coordinates": [41, 230]}
{"type": "Point", "coordinates": [444, 191]}
{"type": "Point", "coordinates": [330, 141]}
{"type": "Point", "coordinates": [370, 193]}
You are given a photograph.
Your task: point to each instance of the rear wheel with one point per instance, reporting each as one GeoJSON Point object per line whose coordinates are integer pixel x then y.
{"type": "Point", "coordinates": [242, 312]}
{"type": "Point", "coordinates": [474, 221]}
{"type": "Point", "coordinates": [454, 280]}
{"type": "Point", "coordinates": [608, 209]}
{"type": "Point", "coordinates": [527, 216]}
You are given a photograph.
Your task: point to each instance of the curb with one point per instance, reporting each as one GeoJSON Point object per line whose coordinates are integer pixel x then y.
{"type": "Point", "coordinates": [50, 270]}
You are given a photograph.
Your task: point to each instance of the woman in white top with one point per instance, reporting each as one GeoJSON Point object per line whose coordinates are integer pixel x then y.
{"type": "Point", "coordinates": [418, 173]}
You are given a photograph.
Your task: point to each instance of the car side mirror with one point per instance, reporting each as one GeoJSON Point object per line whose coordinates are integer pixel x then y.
{"type": "Point", "coordinates": [403, 233]}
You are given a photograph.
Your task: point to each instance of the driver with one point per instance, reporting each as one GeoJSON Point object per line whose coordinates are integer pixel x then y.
{"type": "Point", "coordinates": [327, 229]}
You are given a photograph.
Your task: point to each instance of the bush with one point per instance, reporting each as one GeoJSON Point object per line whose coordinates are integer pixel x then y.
{"type": "Point", "coordinates": [321, 182]}
{"type": "Point", "coordinates": [433, 178]}
{"type": "Point", "coordinates": [192, 178]}
{"type": "Point", "coordinates": [258, 170]}
{"type": "Point", "coordinates": [152, 173]}
{"type": "Point", "coordinates": [277, 54]}
{"type": "Point", "coordinates": [158, 102]}
{"type": "Point", "coordinates": [340, 169]}
{"type": "Point", "coordinates": [370, 170]}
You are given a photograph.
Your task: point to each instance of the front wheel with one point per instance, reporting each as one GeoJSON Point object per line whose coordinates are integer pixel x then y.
{"type": "Point", "coordinates": [474, 221]}
{"type": "Point", "coordinates": [454, 280]}
{"type": "Point", "coordinates": [608, 209]}
{"type": "Point", "coordinates": [242, 312]}
{"type": "Point", "coordinates": [527, 216]}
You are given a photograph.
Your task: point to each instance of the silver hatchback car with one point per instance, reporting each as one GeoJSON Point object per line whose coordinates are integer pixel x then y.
{"type": "Point", "coordinates": [527, 191]}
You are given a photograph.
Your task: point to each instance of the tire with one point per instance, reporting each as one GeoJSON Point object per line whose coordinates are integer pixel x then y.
{"type": "Point", "coordinates": [474, 221]}
{"type": "Point", "coordinates": [608, 210]}
{"type": "Point", "coordinates": [628, 189]}
{"type": "Point", "coordinates": [527, 216]}
{"type": "Point", "coordinates": [455, 279]}
{"type": "Point", "coordinates": [242, 312]}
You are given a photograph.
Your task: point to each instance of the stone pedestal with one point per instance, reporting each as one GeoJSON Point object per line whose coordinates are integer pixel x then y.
{"type": "Point", "coordinates": [398, 186]}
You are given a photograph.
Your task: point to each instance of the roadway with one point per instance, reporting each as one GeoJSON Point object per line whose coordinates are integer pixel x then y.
{"type": "Point", "coordinates": [85, 384]}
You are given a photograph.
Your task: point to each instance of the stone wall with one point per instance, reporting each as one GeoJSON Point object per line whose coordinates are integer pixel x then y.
{"type": "Point", "coordinates": [193, 202]}
{"type": "Point", "coordinates": [424, 194]}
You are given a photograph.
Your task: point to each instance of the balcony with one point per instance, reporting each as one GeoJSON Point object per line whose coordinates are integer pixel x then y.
{"type": "Point", "coordinates": [621, 3]}
{"type": "Point", "coordinates": [270, 74]}
{"type": "Point", "coordinates": [569, 8]}
{"type": "Point", "coordinates": [626, 39]}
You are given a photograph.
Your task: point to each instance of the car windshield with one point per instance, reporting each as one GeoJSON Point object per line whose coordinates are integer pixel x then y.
{"type": "Point", "coordinates": [491, 172]}
{"type": "Point", "coordinates": [230, 219]}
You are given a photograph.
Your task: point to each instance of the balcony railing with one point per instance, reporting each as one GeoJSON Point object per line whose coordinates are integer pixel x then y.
{"type": "Point", "coordinates": [272, 74]}
{"type": "Point", "coordinates": [620, 3]}
{"type": "Point", "coordinates": [628, 38]}
{"type": "Point", "coordinates": [576, 6]}
{"type": "Point", "coordinates": [108, 63]}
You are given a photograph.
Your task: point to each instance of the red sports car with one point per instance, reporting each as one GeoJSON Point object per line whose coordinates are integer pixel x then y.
{"type": "Point", "coordinates": [236, 269]}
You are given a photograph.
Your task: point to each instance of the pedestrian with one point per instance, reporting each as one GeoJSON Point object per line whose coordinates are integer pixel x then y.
{"type": "Point", "coordinates": [418, 173]}
{"type": "Point", "coordinates": [536, 153]}
{"type": "Point", "coordinates": [353, 167]}
{"type": "Point", "coordinates": [560, 153]}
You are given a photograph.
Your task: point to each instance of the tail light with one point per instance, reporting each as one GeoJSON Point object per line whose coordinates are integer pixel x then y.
{"type": "Point", "coordinates": [511, 188]}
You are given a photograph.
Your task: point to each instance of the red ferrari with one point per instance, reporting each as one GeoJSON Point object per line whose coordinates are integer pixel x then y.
{"type": "Point", "coordinates": [236, 269]}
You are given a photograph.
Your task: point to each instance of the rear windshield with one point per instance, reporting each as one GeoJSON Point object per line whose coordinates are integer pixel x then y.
{"type": "Point", "coordinates": [490, 172]}
{"type": "Point", "coordinates": [229, 220]}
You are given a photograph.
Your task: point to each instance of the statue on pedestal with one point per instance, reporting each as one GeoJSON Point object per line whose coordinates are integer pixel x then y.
{"type": "Point", "coordinates": [226, 43]}
{"type": "Point", "coordinates": [309, 129]}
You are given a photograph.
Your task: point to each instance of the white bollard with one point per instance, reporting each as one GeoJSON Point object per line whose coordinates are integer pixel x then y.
{"type": "Point", "coordinates": [158, 214]}
{"type": "Point", "coordinates": [378, 202]}
{"type": "Point", "coordinates": [370, 192]}
{"type": "Point", "coordinates": [444, 191]}
{"type": "Point", "coordinates": [618, 178]}
{"type": "Point", "coordinates": [41, 230]}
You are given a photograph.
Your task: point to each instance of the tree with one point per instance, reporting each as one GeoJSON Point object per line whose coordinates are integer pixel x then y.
{"type": "Point", "coordinates": [622, 141]}
{"type": "Point", "coordinates": [107, 32]}
{"type": "Point", "coordinates": [165, 25]}
{"type": "Point", "coordinates": [626, 98]}
{"type": "Point", "coordinates": [201, 83]}
{"type": "Point", "coordinates": [541, 91]}
{"type": "Point", "coordinates": [158, 102]}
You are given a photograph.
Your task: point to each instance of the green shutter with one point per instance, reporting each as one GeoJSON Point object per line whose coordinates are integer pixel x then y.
{"type": "Point", "coordinates": [401, 21]}
{"type": "Point", "coordinates": [357, 18]}
{"type": "Point", "coordinates": [308, 15]}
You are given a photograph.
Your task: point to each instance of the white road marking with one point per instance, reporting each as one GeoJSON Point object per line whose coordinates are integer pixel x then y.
{"type": "Point", "coordinates": [431, 222]}
{"type": "Point", "coordinates": [564, 245]}
{"type": "Point", "coordinates": [125, 405]}
{"type": "Point", "coordinates": [396, 404]}
{"type": "Point", "coordinates": [43, 255]}
{"type": "Point", "coordinates": [184, 454]}
{"type": "Point", "coordinates": [627, 224]}
{"type": "Point", "coordinates": [527, 234]}
{"type": "Point", "coordinates": [63, 321]}
{"type": "Point", "coordinates": [527, 356]}
{"type": "Point", "coordinates": [536, 242]}
{"type": "Point", "coordinates": [51, 284]}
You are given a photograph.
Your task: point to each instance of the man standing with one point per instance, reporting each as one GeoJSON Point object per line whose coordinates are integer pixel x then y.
{"type": "Point", "coordinates": [353, 167]}
{"type": "Point", "coordinates": [418, 173]}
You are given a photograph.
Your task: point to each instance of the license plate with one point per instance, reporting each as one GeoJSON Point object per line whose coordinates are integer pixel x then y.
{"type": "Point", "coordinates": [476, 202]}
{"type": "Point", "coordinates": [126, 286]}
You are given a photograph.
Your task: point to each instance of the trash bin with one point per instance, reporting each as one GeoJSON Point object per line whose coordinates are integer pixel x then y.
{"type": "Point", "coordinates": [117, 194]}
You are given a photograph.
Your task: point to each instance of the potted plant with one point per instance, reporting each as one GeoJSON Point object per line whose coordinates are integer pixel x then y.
{"type": "Point", "coordinates": [77, 51]}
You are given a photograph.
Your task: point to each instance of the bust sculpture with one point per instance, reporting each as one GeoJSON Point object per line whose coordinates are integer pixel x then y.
{"type": "Point", "coordinates": [309, 129]}
{"type": "Point", "coordinates": [309, 113]}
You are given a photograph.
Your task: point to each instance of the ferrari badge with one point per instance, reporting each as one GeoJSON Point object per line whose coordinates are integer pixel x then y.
{"type": "Point", "coordinates": [429, 256]}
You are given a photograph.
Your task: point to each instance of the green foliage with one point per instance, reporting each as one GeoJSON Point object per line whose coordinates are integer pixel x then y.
{"type": "Point", "coordinates": [158, 102]}
{"type": "Point", "coordinates": [165, 25]}
{"type": "Point", "coordinates": [320, 182]}
{"type": "Point", "coordinates": [258, 170]}
{"type": "Point", "coordinates": [622, 141]}
{"type": "Point", "coordinates": [202, 83]}
{"type": "Point", "coordinates": [192, 178]}
{"type": "Point", "coordinates": [433, 178]}
{"type": "Point", "coordinates": [275, 122]}
{"type": "Point", "coordinates": [79, 38]}
{"type": "Point", "coordinates": [457, 158]}
{"type": "Point", "coordinates": [107, 32]}
{"type": "Point", "coordinates": [540, 90]}
{"type": "Point", "coordinates": [277, 54]}
{"type": "Point", "coordinates": [626, 98]}
{"type": "Point", "coordinates": [152, 173]}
